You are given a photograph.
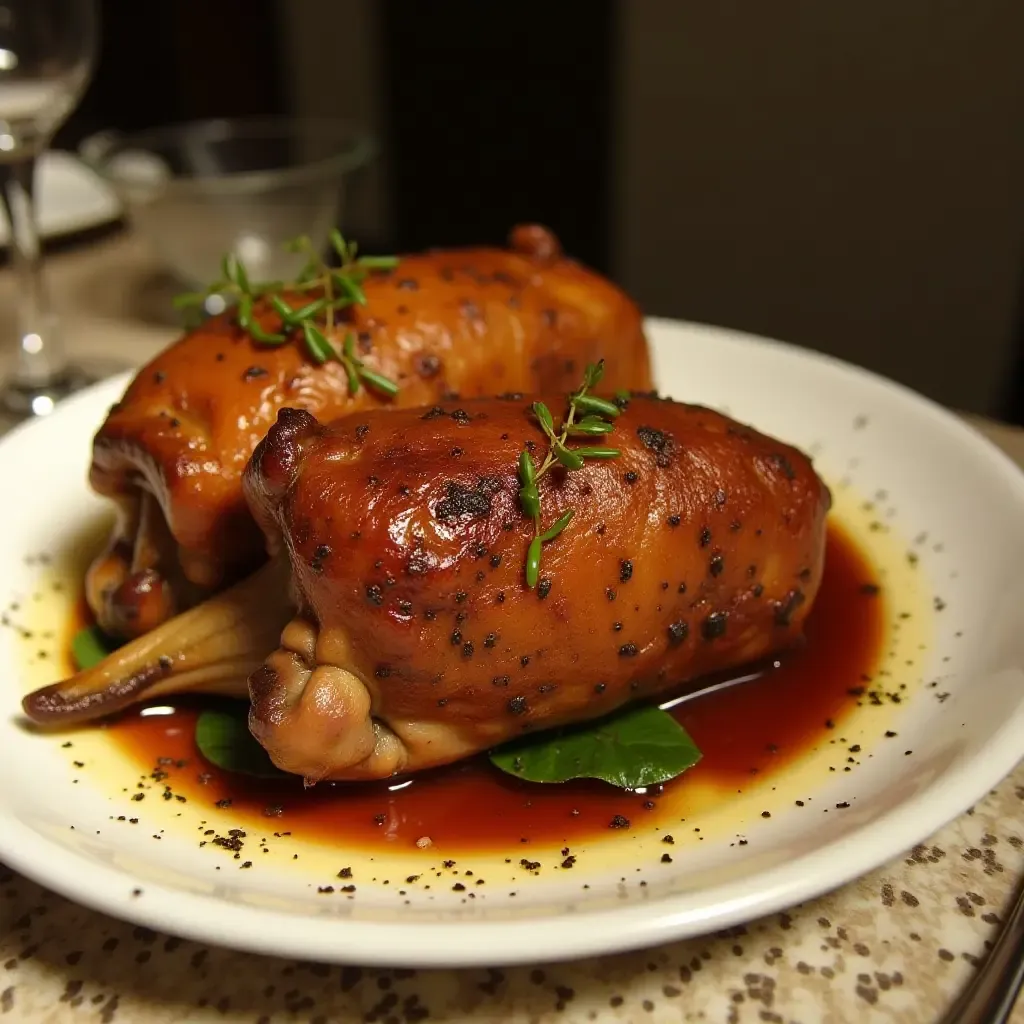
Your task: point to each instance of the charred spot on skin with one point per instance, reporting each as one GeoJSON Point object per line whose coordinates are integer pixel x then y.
{"type": "Point", "coordinates": [382, 671]}
{"type": "Point", "coordinates": [600, 687]}
{"type": "Point", "coordinates": [674, 521]}
{"type": "Point", "coordinates": [619, 821]}
{"type": "Point", "coordinates": [500, 681]}
{"type": "Point", "coordinates": [631, 478]}
{"type": "Point", "coordinates": [609, 593]}
{"type": "Point", "coordinates": [870, 589]}
{"type": "Point", "coordinates": [517, 705]}
{"type": "Point", "coordinates": [159, 377]}
{"type": "Point", "coordinates": [460, 596]}
{"type": "Point", "coordinates": [467, 649]}
{"type": "Point", "coordinates": [625, 570]}
{"type": "Point", "coordinates": [495, 561]}
{"type": "Point", "coordinates": [254, 372]}
{"type": "Point", "coordinates": [374, 594]}
{"type": "Point", "coordinates": [490, 640]}
{"type": "Point", "coordinates": [714, 625]}
{"type": "Point", "coordinates": [678, 632]}
{"type": "Point", "coordinates": [758, 590]}
{"type": "Point", "coordinates": [546, 687]}
{"type": "Point", "coordinates": [628, 651]}
{"type": "Point", "coordinates": [405, 607]}
{"type": "Point", "coordinates": [705, 537]}
{"type": "Point", "coordinates": [464, 501]}
{"type": "Point", "coordinates": [658, 443]}
{"type": "Point", "coordinates": [320, 555]}
{"type": "Point", "coordinates": [361, 431]}
{"type": "Point", "coordinates": [456, 638]}
{"type": "Point", "coordinates": [784, 609]}
{"type": "Point", "coordinates": [717, 564]}
{"type": "Point", "coordinates": [543, 588]}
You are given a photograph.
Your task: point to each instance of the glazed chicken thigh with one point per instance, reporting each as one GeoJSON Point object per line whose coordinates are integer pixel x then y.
{"type": "Point", "coordinates": [417, 641]}
{"type": "Point", "coordinates": [469, 322]}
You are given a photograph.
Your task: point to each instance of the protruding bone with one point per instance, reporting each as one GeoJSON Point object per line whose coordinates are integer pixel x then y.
{"type": "Point", "coordinates": [211, 648]}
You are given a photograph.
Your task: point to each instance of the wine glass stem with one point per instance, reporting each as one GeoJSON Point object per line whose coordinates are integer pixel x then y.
{"type": "Point", "coordinates": [40, 358]}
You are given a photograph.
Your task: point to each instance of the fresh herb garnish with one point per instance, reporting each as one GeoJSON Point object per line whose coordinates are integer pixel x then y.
{"type": "Point", "coordinates": [637, 747]}
{"type": "Point", "coordinates": [331, 289]}
{"type": "Point", "coordinates": [223, 738]}
{"type": "Point", "coordinates": [89, 646]}
{"type": "Point", "coordinates": [592, 423]}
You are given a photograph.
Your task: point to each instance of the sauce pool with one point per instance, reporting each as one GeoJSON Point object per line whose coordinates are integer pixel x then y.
{"type": "Point", "coordinates": [754, 727]}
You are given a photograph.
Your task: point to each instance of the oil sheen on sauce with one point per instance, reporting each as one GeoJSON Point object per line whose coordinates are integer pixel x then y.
{"type": "Point", "coordinates": [756, 727]}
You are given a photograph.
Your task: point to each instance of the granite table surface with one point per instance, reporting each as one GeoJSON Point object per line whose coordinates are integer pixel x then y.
{"type": "Point", "coordinates": [895, 946]}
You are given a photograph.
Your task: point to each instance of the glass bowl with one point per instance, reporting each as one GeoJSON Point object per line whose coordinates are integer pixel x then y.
{"type": "Point", "coordinates": [198, 190]}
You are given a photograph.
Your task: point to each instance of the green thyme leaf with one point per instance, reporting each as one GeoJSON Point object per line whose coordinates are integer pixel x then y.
{"type": "Point", "coordinates": [283, 310]}
{"type": "Point", "coordinates": [591, 403]}
{"type": "Point", "coordinates": [598, 453]}
{"type": "Point", "coordinates": [543, 414]}
{"type": "Point", "coordinates": [319, 347]}
{"type": "Point", "coordinates": [557, 526]}
{"type": "Point", "coordinates": [527, 474]}
{"type": "Point", "coordinates": [593, 374]}
{"type": "Point", "coordinates": [186, 299]}
{"type": "Point", "coordinates": [377, 382]}
{"type": "Point", "coordinates": [309, 310]}
{"type": "Point", "coordinates": [637, 747]}
{"type": "Point", "coordinates": [529, 498]}
{"type": "Point", "coordinates": [377, 262]}
{"type": "Point", "coordinates": [591, 428]}
{"type": "Point", "coordinates": [566, 456]}
{"type": "Point", "coordinates": [349, 288]}
{"type": "Point", "coordinates": [338, 242]}
{"type": "Point", "coordinates": [245, 313]}
{"type": "Point", "coordinates": [533, 562]}
{"type": "Point", "coordinates": [264, 337]}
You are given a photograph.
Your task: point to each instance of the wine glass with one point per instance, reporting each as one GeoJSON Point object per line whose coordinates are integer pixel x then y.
{"type": "Point", "coordinates": [47, 51]}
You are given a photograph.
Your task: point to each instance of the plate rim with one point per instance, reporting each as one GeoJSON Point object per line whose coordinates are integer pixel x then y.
{"type": "Point", "coordinates": [585, 932]}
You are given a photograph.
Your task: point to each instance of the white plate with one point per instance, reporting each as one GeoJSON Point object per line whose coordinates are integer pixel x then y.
{"type": "Point", "coordinates": [967, 732]}
{"type": "Point", "coordinates": [69, 197]}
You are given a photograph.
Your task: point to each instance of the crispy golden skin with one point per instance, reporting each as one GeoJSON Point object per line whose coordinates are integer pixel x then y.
{"type": "Point", "coordinates": [417, 641]}
{"type": "Point", "coordinates": [171, 452]}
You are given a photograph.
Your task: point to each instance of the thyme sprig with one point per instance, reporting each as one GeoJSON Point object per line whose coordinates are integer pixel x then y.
{"type": "Point", "coordinates": [335, 289]}
{"type": "Point", "coordinates": [594, 421]}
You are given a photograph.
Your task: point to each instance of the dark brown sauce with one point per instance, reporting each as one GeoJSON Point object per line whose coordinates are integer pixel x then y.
{"type": "Point", "coordinates": [753, 728]}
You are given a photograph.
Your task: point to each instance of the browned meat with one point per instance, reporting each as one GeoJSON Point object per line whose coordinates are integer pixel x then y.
{"type": "Point", "coordinates": [417, 641]}
{"type": "Point", "coordinates": [172, 451]}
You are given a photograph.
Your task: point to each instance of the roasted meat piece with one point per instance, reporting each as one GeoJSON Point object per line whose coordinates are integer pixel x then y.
{"type": "Point", "coordinates": [398, 547]}
{"type": "Point", "coordinates": [470, 322]}
{"type": "Point", "coordinates": [417, 641]}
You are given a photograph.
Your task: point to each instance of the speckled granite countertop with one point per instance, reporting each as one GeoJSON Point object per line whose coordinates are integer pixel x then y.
{"type": "Point", "coordinates": [895, 946]}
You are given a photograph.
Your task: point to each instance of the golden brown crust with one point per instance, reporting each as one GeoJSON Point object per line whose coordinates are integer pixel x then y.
{"type": "Point", "coordinates": [472, 322]}
{"type": "Point", "coordinates": [699, 549]}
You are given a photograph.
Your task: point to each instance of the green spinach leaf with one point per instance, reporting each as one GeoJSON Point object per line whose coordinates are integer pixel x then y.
{"type": "Point", "coordinates": [223, 738]}
{"type": "Point", "coordinates": [637, 747]}
{"type": "Point", "coordinates": [90, 646]}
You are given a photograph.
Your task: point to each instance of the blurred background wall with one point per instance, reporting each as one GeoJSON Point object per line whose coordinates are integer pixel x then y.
{"type": "Point", "coordinates": [849, 177]}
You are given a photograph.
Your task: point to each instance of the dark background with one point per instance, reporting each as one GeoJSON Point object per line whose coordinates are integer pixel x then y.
{"type": "Point", "coordinates": [494, 114]}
